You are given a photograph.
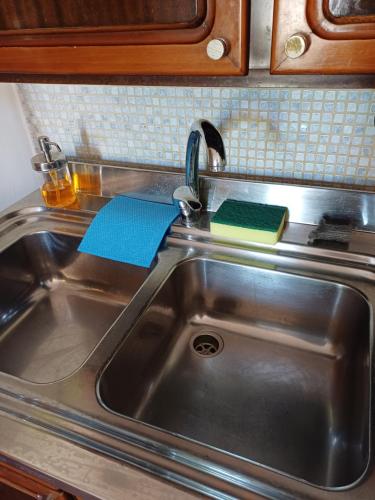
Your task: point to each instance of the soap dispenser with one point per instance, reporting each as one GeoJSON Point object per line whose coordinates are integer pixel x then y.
{"type": "Point", "coordinates": [57, 189]}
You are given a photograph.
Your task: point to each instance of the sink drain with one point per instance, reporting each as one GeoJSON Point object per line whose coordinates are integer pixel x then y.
{"type": "Point", "coordinates": [206, 344]}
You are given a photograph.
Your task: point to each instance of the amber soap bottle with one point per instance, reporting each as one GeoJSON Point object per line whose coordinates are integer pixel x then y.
{"type": "Point", "coordinates": [57, 189]}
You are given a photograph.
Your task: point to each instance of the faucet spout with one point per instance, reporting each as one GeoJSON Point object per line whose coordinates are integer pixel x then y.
{"type": "Point", "coordinates": [187, 197]}
{"type": "Point", "coordinates": [213, 142]}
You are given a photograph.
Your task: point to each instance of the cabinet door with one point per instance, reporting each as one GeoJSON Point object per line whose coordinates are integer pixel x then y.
{"type": "Point", "coordinates": [104, 37]}
{"type": "Point", "coordinates": [323, 36]}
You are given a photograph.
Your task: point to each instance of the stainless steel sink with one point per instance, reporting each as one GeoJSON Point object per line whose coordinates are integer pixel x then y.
{"type": "Point", "coordinates": [220, 376]}
{"type": "Point", "coordinates": [56, 304]}
{"type": "Point", "coordinates": [268, 366]}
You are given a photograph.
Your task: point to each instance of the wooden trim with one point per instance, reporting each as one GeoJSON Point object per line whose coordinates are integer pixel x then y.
{"type": "Point", "coordinates": [334, 56]}
{"type": "Point", "coordinates": [115, 35]}
{"type": "Point", "coordinates": [326, 26]}
{"type": "Point", "coordinates": [31, 486]}
{"type": "Point", "coordinates": [257, 78]}
{"type": "Point", "coordinates": [230, 23]}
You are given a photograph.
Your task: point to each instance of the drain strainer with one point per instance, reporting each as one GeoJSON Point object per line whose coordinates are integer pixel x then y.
{"type": "Point", "coordinates": [206, 344]}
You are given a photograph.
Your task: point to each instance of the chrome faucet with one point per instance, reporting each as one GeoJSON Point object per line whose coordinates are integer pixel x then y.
{"type": "Point", "coordinates": [187, 197]}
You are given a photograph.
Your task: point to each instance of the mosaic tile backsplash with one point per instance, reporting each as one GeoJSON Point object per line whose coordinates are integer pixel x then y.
{"type": "Point", "coordinates": [326, 136]}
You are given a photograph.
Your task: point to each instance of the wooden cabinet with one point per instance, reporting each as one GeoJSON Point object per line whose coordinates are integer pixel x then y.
{"type": "Point", "coordinates": [119, 37]}
{"type": "Point", "coordinates": [323, 36]}
{"type": "Point", "coordinates": [18, 485]}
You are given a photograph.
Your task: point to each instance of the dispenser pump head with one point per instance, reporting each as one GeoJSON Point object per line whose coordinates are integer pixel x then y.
{"type": "Point", "coordinates": [48, 159]}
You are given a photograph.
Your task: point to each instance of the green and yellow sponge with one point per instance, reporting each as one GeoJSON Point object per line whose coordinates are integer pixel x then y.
{"type": "Point", "coordinates": [253, 222]}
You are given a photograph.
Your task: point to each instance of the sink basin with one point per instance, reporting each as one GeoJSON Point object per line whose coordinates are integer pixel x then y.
{"type": "Point", "coordinates": [268, 366]}
{"type": "Point", "coordinates": [56, 304]}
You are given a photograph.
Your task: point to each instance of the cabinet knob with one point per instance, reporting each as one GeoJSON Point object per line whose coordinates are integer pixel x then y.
{"type": "Point", "coordinates": [217, 49]}
{"type": "Point", "coordinates": [296, 45]}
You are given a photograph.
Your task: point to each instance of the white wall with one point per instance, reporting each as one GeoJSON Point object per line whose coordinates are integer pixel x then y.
{"type": "Point", "coordinates": [16, 176]}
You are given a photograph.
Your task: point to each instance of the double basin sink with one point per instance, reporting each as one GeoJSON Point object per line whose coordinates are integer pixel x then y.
{"type": "Point", "coordinates": [264, 364]}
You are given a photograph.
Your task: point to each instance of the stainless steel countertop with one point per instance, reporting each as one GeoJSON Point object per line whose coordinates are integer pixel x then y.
{"type": "Point", "coordinates": [60, 429]}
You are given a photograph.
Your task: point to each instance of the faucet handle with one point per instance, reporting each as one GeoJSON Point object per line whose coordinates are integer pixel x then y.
{"type": "Point", "coordinates": [189, 205]}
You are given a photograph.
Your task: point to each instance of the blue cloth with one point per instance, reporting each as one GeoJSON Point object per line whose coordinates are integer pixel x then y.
{"type": "Point", "coordinates": [129, 230]}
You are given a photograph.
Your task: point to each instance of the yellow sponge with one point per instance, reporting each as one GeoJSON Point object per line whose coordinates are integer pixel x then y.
{"type": "Point", "coordinates": [253, 222]}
